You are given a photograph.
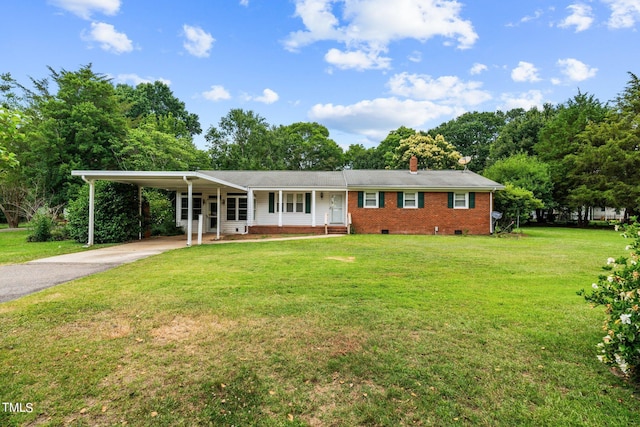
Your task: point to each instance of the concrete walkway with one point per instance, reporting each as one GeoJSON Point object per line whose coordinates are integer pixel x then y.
{"type": "Point", "coordinates": [17, 280]}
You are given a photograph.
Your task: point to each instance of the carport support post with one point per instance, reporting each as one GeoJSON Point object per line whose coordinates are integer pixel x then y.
{"type": "Point", "coordinates": [92, 209]}
{"type": "Point", "coordinates": [189, 210]}
{"type": "Point", "coordinates": [140, 211]}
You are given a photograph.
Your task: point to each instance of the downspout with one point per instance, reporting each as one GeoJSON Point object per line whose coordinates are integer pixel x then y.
{"type": "Point", "coordinates": [189, 209]}
{"type": "Point", "coordinates": [92, 208]}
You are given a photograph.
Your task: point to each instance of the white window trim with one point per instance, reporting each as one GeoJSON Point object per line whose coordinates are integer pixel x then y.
{"type": "Point", "coordinates": [295, 203]}
{"type": "Point", "coordinates": [377, 198]}
{"type": "Point", "coordinates": [404, 200]}
{"type": "Point", "coordinates": [466, 201]}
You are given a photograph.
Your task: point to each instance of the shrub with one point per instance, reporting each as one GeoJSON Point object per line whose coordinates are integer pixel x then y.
{"type": "Point", "coordinates": [619, 291]}
{"type": "Point", "coordinates": [41, 225]}
{"type": "Point", "coordinates": [116, 213]}
{"type": "Point", "coordinates": [162, 214]}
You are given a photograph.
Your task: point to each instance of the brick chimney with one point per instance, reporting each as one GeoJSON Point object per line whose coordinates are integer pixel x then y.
{"type": "Point", "coordinates": [413, 165]}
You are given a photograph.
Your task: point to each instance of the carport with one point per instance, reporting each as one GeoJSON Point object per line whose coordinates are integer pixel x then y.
{"type": "Point", "coordinates": [168, 180]}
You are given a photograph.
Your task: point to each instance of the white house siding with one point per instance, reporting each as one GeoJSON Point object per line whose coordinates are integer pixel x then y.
{"type": "Point", "coordinates": [264, 217]}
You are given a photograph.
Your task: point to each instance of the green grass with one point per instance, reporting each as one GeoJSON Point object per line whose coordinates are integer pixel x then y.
{"type": "Point", "coordinates": [360, 330]}
{"type": "Point", "coordinates": [14, 247]}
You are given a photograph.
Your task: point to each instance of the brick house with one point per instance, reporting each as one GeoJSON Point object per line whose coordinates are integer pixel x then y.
{"type": "Point", "coordinates": [361, 201]}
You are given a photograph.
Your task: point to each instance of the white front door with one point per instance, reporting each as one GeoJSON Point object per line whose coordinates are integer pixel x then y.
{"type": "Point", "coordinates": [336, 210]}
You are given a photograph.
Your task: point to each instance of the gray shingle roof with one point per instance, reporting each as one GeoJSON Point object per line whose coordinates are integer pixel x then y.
{"type": "Point", "coordinates": [356, 179]}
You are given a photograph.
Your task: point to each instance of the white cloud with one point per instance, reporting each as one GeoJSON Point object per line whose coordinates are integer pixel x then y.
{"type": "Point", "coordinates": [368, 27]}
{"type": "Point", "coordinates": [359, 60]}
{"type": "Point", "coordinates": [375, 118]}
{"type": "Point", "coordinates": [581, 17]}
{"type": "Point", "coordinates": [624, 13]}
{"type": "Point", "coordinates": [575, 71]}
{"type": "Point", "coordinates": [416, 56]}
{"type": "Point", "coordinates": [526, 100]}
{"type": "Point", "coordinates": [217, 93]}
{"type": "Point", "coordinates": [108, 38]}
{"type": "Point", "coordinates": [477, 69]}
{"type": "Point", "coordinates": [268, 97]}
{"type": "Point", "coordinates": [198, 42]}
{"type": "Point", "coordinates": [448, 90]}
{"type": "Point", "coordinates": [135, 79]}
{"type": "Point", "coordinates": [84, 8]}
{"type": "Point", "coordinates": [244, 2]}
{"type": "Point", "coordinates": [525, 72]}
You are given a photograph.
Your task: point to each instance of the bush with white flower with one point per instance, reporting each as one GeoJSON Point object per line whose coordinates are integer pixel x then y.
{"type": "Point", "coordinates": [619, 291]}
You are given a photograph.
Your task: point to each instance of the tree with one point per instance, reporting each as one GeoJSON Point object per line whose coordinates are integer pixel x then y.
{"type": "Point", "coordinates": [607, 166]}
{"type": "Point", "coordinates": [359, 157]}
{"type": "Point", "coordinates": [472, 134]}
{"type": "Point", "coordinates": [383, 155]}
{"type": "Point", "coordinates": [526, 172]}
{"type": "Point", "coordinates": [75, 128]}
{"type": "Point", "coordinates": [559, 140]}
{"type": "Point", "coordinates": [307, 146]}
{"type": "Point", "coordinates": [432, 153]}
{"type": "Point", "coordinates": [10, 124]}
{"type": "Point", "coordinates": [157, 100]}
{"type": "Point", "coordinates": [514, 203]}
{"type": "Point", "coordinates": [146, 147]}
{"type": "Point", "coordinates": [240, 142]}
{"type": "Point", "coordinates": [520, 132]}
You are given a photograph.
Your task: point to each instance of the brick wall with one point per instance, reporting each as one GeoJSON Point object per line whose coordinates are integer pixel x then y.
{"type": "Point", "coordinates": [421, 220]}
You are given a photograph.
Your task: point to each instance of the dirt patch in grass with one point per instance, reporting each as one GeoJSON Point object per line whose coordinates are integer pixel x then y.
{"type": "Point", "coordinates": [182, 328]}
{"type": "Point", "coordinates": [342, 258]}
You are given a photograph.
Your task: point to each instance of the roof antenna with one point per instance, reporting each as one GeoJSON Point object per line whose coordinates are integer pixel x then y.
{"type": "Point", "coordinates": [464, 161]}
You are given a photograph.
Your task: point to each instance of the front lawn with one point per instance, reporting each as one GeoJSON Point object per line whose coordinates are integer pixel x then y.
{"type": "Point", "coordinates": [359, 330]}
{"type": "Point", "coordinates": [14, 247]}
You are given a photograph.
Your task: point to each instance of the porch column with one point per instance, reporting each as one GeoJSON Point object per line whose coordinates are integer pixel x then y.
{"type": "Point", "coordinates": [313, 208]}
{"type": "Point", "coordinates": [346, 209]}
{"type": "Point", "coordinates": [218, 215]}
{"type": "Point", "coordinates": [250, 208]}
{"type": "Point", "coordinates": [140, 211]}
{"type": "Point", "coordinates": [189, 209]}
{"type": "Point", "coordinates": [280, 208]}
{"type": "Point", "coordinates": [92, 211]}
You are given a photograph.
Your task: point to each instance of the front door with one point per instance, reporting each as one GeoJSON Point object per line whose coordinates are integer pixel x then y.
{"type": "Point", "coordinates": [213, 215]}
{"type": "Point", "coordinates": [336, 209]}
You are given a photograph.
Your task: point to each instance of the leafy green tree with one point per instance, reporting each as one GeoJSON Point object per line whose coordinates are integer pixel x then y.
{"type": "Point", "coordinates": [74, 128]}
{"type": "Point", "coordinates": [359, 157]}
{"type": "Point", "coordinates": [148, 148]}
{"type": "Point", "coordinates": [515, 203]}
{"type": "Point", "coordinates": [10, 123]}
{"type": "Point", "coordinates": [157, 100]}
{"type": "Point", "coordinates": [384, 153]}
{"type": "Point", "coordinates": [241, 142]}
{"type": "Point", "coordinates": [307, 146]}
{"type": "Point", "coordinates": [432, 153]}
{"type": "Point", "coordinates": [520, 132]}
{"type": "Point", "coordinates": [472, 134]}
{"type": "Point", "coordinates": [527, 172]}
{"type": "Point", "coordinates": [559, 140]}
{"type": "Point", "coordinates": [607, 166]}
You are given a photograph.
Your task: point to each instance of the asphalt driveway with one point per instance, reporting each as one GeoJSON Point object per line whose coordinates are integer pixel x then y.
{"type": "Point", "coordinates": [17, 280]}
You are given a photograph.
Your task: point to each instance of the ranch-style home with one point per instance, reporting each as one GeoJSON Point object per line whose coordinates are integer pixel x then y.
{"type": "Point", "coordinates": [360, 201]}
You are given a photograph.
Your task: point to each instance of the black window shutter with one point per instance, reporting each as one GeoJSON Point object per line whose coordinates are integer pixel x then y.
{"type": "Point", "coordinates": [272, 202]}
{"type": "Point", "coordinates": [421, 199]}
{"type": "Point", "coordinates": [307, 201]}
{"type": "Point", "coordinates": [472, 200]}
{"type": "Point", "coordinates": [360, 199]}
{"type": "Point", "coordinates": [381, 199]}
{"type": "Point", "coordinates": [450, 200]}
{"type": "Point", "coordinates": [400, 199]}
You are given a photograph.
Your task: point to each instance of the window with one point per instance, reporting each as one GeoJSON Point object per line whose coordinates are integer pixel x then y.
{"type": "Point", "coordinates": [237, 208]}
{"type": "Point", "coordinates": [410, 200]}
{"type": "Point", "coordinates": [197, 206]}
{"type": "Point", "coordinates": [371, 199]}
{"type": "Point", "coordinates": [294, 202]}
{"type": "Point", "coordinates": [460, 200]}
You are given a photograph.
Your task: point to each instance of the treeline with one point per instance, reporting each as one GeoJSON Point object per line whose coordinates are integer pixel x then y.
{"type": "Point", "coordinates": [568, 157]}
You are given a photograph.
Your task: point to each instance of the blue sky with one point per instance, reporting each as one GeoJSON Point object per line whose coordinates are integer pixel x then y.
{"type": "Point", "coordinates": [360, 67]}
